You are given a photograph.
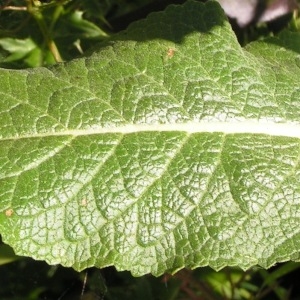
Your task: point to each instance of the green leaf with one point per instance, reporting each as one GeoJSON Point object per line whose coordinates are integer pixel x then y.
{"type": "Point", "coordinates": [32, 54]}
{"type": "Point", "coordinates": [86, 28]}
{"type": "Point", "coordinates": [170, 147]}
{"type": "Point", "coordinates": [17, 47]}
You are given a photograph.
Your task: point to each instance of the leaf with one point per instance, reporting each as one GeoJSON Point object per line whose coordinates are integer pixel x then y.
{"type": "Point", "coordinates": [74, 25]}
{"type": "Point", "coordinates": [18, 48]}
{"type": "Point", "coordinates": [32, 54]}
{"type": "Point", "coordinates": [170, 147]}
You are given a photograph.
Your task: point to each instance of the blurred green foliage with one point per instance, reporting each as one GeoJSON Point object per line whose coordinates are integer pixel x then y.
{"type": "Point", "coordinates": [38, 33]}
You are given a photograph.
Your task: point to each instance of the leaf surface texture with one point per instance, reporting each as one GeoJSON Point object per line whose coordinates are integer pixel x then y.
{"type": "Point", "coordinates": [169, 147]}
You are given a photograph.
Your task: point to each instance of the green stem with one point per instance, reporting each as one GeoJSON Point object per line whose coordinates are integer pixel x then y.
{"type": "Point", "coordinates": [36, 13]}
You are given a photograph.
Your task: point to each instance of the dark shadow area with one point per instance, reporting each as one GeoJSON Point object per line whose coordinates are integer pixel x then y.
{"type": "Point", "coordinates": [122, 22]}
{"type": "Point", "coordinates": [28, 279]}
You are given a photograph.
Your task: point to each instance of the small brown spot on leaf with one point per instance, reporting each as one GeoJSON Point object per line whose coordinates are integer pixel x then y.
{"type": "Point", "coordinates": [9, 212]}
{"type": "Point", "coordinates": [170, 52]}
{"type": "Point", "coordinates": [83, 202]}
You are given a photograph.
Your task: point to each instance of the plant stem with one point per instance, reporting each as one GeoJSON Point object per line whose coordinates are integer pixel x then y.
{"type": "Point", "coordinates": [37, 15]}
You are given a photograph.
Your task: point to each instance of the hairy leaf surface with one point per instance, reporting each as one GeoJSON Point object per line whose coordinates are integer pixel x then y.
{"type": "Point", "coordinates": [169, 147]}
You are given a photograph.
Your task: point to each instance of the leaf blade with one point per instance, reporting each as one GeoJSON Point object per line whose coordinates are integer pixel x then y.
{"type": "Point", "coordinates": [153, 159]}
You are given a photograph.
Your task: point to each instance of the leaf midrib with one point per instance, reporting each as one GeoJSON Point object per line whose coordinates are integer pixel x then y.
{"type": "Point", "coordinates": [291, 130]}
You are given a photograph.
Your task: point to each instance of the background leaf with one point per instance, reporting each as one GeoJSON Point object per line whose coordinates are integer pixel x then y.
{"type": "Point", "coordinates": [170, 147]}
